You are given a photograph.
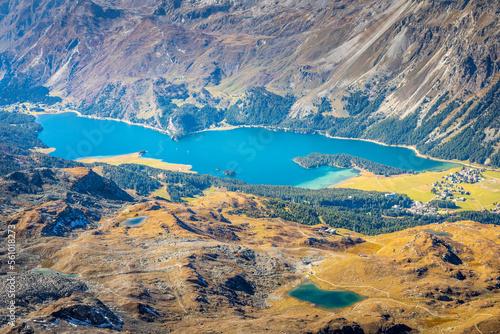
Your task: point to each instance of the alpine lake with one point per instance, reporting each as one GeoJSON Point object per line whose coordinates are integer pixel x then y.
{"type": "Point", "coordinates": [257, 155]}
{"type": "Point", "coordinates": [327, 299]}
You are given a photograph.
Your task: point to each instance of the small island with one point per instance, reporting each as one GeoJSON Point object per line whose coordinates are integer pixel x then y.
{"type": "Point", "coordinates": [230, 173]}
{"type": "Point", "coordinates": [341, 160]}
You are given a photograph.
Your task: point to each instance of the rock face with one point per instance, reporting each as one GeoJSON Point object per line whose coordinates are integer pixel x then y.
{"type": "Point", "coordinates": [33, 289]}
{"type": "Point", "coordinates": [85, 181]}
{"type": "Point", "coordinates": [56, 202]}
{"type": "Point", "coordinates": [127, 59]}
{"type": "Point", "coordinates": [86, 312]}
{"type": "Point", "coordinates": [51, 219]}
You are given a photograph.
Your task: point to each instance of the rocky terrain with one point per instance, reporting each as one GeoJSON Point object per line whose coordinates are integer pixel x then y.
{"type": "Point", "coordinates": [205, 259]}
{"type": "Point", "coordinates": [402, 72]}
{"type": "Point", "coordinates": [203, 266]}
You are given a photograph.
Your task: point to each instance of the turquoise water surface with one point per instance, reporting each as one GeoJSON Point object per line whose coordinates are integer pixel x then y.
{"type": "Point", "coordinates": [135, 222]}
{"type": "Point", "coordinates": [51, 271]}
{"type": "Point", "coordinates": [438, 234]}
{"type": "Point", "coordinates": [327, 299]}
{"type": "Point", "coordinates": [258, 156]}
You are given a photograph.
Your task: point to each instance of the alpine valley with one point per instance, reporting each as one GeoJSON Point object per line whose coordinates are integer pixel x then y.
{"type": "Point", "coordinates": [145, 242]}
{"type": "Point", "coordinates": [421, 73]}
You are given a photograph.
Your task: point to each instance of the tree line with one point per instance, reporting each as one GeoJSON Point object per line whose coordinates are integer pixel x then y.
{"type": "Point", "coordinates": [342, 160]}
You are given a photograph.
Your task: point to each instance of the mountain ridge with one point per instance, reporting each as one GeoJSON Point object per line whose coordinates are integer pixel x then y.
{"type": "Point", "coordinates": [353, 68]}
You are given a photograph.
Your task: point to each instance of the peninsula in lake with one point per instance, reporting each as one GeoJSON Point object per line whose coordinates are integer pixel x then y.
{"type": "Point", "coordinates": [341, 160]}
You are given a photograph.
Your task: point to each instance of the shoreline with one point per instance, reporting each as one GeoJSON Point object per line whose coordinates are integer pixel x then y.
{"type": "Point", "coordinates": [417, 153]}
{"type": "Point", "coordinates": [413, 148]}
{"type": "Point", "coordinates": [137, 158]}
{"type": "Point", "coordinates": [353, 167]}
{"type": "Point", "coordinates": [116, 120]}
{"type": "Point", "coordinates": [322, 133]}
{"type": "Point", "coordinates": [319, 132]}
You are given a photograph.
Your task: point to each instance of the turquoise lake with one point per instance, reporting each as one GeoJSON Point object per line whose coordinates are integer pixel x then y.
{"type": "Point", "coordinates": [438, 234]}
{"type": "Point", "coordinates": [327, 299]}
{"type": "Point", "coordinates": [135, 222]}
{"type": "Point", "coordinates": [258, 156]}
{"type": "Point", "coordinates": [51, 271]}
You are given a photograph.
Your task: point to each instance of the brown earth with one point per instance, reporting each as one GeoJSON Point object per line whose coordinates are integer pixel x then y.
{"type": "Point", "coordinates": [202, 267]}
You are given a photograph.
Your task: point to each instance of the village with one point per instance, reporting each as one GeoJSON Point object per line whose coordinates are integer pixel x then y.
{"type": "Point", "coordinates": [449, 188]}
{"type": "Point", "coordinates": [447, 192]}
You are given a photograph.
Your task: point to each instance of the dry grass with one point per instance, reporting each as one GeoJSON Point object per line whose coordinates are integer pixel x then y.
{"type": "Point", "coordinates": [136, 158]}
{"type": "Point", "coordinates": [418, 187]}
{"type": "Point", "coordinates": [47, 150]}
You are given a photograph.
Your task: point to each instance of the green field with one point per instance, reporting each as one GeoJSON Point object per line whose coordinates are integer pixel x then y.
{"type": "Point", "coordinates": [469, 205]}
{"type": "Point", "coordinates": [484, 194]}
{"type": "Point", "coordinates": [420, 193]}
{"type": "Point", "coordinates": [162, 192]}
{"type": "Point", "coordinates": [417, 187]}
{"type": "Point", "coordinates": [492, 174]}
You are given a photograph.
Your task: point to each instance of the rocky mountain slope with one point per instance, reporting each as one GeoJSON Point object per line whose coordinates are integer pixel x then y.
{"type": "Point", "coordinates": [403, 72]}
{"type": "Point", "coordinates": [203, 266]}
{"type": "Point", "coordinates": [47, 202]}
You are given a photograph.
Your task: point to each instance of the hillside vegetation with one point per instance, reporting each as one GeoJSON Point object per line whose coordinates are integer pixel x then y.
{"type": "Point", "coordinates": [342, 160]}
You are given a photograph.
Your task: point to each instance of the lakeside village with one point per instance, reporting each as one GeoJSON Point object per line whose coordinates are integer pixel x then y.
{"type": "Point", "coordinates": [448, 191]}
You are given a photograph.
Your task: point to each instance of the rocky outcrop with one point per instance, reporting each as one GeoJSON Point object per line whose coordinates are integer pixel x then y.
{"type": "Point", "coordinates": [51, 219]}
{"type": "Point", "coordinates": [89, 312]}
{"type": "Point", "coordinates": [28, 182]}
{"type": "Point", "coordinates": [143, 311]}
{"type": "Point", "coordinates": [33, 289]}
{"type": "Point", "coordinates": [437, 250]}
{"type": "Point", "coordinates": [56, 202]}
{"type": "Point", "coordinates": [343, 326]}
{"type": "Point", "coordinates": [85, 181]}
{"type": "Point", "coordinates": [338, 244]}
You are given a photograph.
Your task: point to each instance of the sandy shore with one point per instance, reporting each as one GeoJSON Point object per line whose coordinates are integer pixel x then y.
{"type": "Point", "coordinates": [136, 158]}
{"type": "Point", "coordinates": [47, 150]}
{"type": "Point", "coordinates": [117, 120]}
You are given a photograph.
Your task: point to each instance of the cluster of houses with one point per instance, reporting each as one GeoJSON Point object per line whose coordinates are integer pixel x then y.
{"type": "Point", "coordinates": [448, 188]}
{"type": "Point", "coordinates": [417, 207]}
{"type": "Point", "coordinates": [466, 175]}
{"type": "Point", "coordinates": [496, 209]}
{"type": "Point", "coordinates": [326, 229]}
{"type": "Point", "coordinates": [420, 208]}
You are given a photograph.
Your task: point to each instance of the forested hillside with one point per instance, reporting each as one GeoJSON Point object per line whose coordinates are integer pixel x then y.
{"type": "Point", "coordinates": [341, 160]}
{"type": "Point", "coordinates": [368, 212]}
